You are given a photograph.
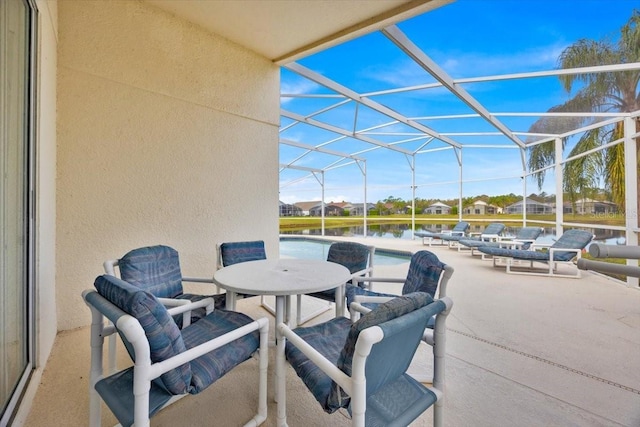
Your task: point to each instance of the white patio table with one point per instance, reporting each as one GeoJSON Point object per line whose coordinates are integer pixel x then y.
{"type": "Point", "coordinates": [282, 278]}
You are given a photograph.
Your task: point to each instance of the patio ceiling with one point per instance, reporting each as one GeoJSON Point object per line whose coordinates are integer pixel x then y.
{"type": "Point", "coordinates": [284, 30]}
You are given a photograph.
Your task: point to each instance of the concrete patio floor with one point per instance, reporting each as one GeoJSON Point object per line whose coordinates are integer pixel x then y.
{"type": "Point", "coordinates": [521, 351]}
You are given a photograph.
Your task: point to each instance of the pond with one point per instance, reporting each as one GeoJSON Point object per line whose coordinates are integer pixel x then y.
{"type": "Point", "coordinates": [317, 249]}
{"type": "Point", "coordinates": [403, 231]}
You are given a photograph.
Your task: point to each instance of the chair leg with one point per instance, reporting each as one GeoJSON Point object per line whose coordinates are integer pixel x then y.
{"type": "Point", "coordinates": [302, 320]}
{"type": "Point", "coordinates": [263, 362]}
{"type": "Point", "coordinates": [97, 342]}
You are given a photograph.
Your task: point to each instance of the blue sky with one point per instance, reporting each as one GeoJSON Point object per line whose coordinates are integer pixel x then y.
{"type": "Point", "coordinates": [468, 38]}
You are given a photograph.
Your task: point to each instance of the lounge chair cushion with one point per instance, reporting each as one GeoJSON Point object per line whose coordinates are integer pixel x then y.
{"type": "Point", "coordinates": [570, 239]}
{"type": "Point", "coordinates": [164, 337]}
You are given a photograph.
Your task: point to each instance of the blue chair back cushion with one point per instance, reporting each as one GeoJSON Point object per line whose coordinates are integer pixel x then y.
{"type": "Point", "coordinates": [383, 313]}
{"type": "Point", "coordinates": [153, 268]}
{"type": "Point", "coordinates": [461, 226]}
{"type": "Point", "coordinates": [494, 228]}
{"type": "Point", "coordinates": [571, 239]}
{"type": "Point", "coordinates": [354, 256]}
{"type": "Point", "coordinates": [424, 273]}
{"type": "Point", "coordinates": [236, 252]}
{"type": "Point", "coordinates": [164, 337]}
{"type": "Point", "coordinates": [528, 233]}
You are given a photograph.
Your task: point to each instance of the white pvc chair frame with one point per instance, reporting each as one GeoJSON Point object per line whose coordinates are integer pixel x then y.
{"type": "Point", "coordinates": [145, 371]}
{"type": "Point", "coordinates": [356, 384]}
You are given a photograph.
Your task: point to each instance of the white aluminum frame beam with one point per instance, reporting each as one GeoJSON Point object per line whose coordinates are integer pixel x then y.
{"type": "Point", "coordinates": [394, 34]}
{"type": "Point", "coordinates": [330, 84]}
{"type": "Point", "coordinates": [340, 131]}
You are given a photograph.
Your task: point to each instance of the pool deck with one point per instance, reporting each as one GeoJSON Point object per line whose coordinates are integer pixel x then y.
{"type": "Point", "coordinates": [521, 351]}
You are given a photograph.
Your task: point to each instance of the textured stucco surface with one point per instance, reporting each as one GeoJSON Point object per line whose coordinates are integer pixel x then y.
{"type": "Point", "coordinates": [166, 134]}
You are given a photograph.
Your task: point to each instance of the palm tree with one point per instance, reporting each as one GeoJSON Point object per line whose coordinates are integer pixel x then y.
{"type": "Point", "coordinates": [599, 92]}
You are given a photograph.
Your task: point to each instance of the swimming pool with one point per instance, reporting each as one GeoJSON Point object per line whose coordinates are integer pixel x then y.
{"type": "Point", "coordinates": [317, 249]}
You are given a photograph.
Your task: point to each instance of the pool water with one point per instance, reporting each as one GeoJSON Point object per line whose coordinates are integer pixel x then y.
{"type": "Point", "coordinates": [318, 249]}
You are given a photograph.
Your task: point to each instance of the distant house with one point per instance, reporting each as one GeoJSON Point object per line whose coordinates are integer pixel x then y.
{"type": "Point", "coordinates": [330, 209]}
{"type": "Point", "coordinates": [590, 206]}
{"type": "Point", "coordinates": [391, 209]}
{"type": "Point", "coordinates": [357, 209]}
{"type": "Point", "coordinates": [533, 207]}
{"type": "Point", "coordinates": [289, 210]}
{"type": "Point", "coordinates": [306, 206]}
{"type": "Point", "coordinates": [438, 208]}
{"type": "Point", "coordinates": [480, 207]}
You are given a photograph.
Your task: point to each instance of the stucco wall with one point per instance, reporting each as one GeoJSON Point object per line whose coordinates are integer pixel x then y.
{"type": "Point", "coordinates": [166, 134]}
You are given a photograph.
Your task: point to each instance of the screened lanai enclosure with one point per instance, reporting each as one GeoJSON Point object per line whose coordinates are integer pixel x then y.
{"type": "Point", "coordinates": [395, 121]}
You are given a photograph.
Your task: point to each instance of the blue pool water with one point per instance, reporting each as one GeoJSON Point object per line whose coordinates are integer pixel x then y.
{"type": "Point", "coordinates": [317, 249]}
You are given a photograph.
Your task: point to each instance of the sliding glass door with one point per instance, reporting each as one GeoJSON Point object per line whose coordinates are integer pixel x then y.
{"type": "Point", "coordinates": [16, 118]}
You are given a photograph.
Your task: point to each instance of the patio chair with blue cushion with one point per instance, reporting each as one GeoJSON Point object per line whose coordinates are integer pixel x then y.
{"type": "Point", "coordinates": [523, 239]}
{"type": "Point", "coordinates": [460, 229]}
{"type": "Point", "coordinates": [426, 274]}
{"type": "Point", "coordinates": [358, 258]}
{"type": "Point", "coordinates": [156, 269]}
{"type": "Point", "coordinates": [567, 248]}
{"type": "Point", "coordinates": [168, 363]}
{"type": "Point", "coordinates": [362, 366]}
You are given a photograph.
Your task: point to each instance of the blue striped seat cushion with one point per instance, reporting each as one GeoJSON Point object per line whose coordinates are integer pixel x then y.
{"type": "Point", "coordinates": [212, 366]}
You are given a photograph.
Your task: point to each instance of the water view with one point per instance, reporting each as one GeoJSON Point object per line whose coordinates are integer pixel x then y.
{"type": "Point", "coordinates": [403, 231]}
{"type": "Point", "coordinates": [318, 249]}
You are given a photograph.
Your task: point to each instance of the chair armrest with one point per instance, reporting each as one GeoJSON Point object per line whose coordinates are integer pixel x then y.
{"type": "Point", "coordinates": [173, 302]}
{"type": "Point", "coordinates": [318, 359]}
{"type": "Point", "coordinates": [371, 279]}
{"type": "Point", "coordinates": [371, 298]}
{"type": "Point", "coordinates": [489, 237]}
{"type": "Point", "coordinates": [185, 309]}
{"type": "Point", "coordinates": [198, 279]}
{"type": "Point", "coordinates": [552, 252]}
{"type": "Point", "coordinates": [356, 308]}
{"type": "Point", "coordinates": [379, 279]}
{"type": "Point", "coordinates": [534, 246]}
